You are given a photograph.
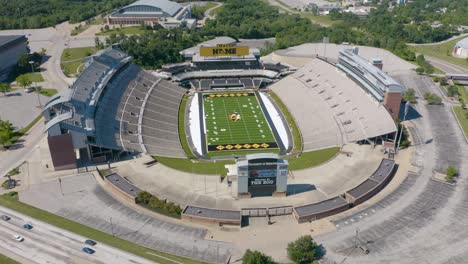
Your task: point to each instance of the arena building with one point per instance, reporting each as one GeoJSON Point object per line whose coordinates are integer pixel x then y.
{"type": "Point", "coordinates": [11, 48]}
{"type": "Point", "coordinates": [461, 49]}
{"type": "Point", "coordinates": [150, 12]}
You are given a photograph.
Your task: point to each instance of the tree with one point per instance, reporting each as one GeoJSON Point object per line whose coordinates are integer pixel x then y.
{"type": "Point", "coordinates": [410, 95]}
{"type": "Point", "coordinates": [256, 257]}
{"type": "Point", "coordinates": [432, 98]}
{"type": "Point", "coordinates": [24, 81]}
{"type": "Point", "coordinates": [419, 70]}
{"type": "Point", "coordinates": [4, 88]}
{"type": "Point", "coordinates": [452, 91]}
{"type": "Point", "coordinates": [443, 81]}
{"type": "Point", "coordinates": [6, 132]}
{"type": "Point", "coordinates": [420, 59]}
{"type": "Point", "coordinates": [303, 250]}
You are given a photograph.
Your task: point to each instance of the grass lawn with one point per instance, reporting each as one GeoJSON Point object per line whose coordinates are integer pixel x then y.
{"type": "Point", "coordinates": [234, 121]}
{"type": "Point", "coordinates": [313, 158]}
{"type": "Point", "coordinates": [70, 68]}
{"type": "Point", "coordinates": [47, 92]}
{"type": "Point", "coordinates": [70, 54]}
{"type": "Point", "coordinates": [7, 260]}
{"type": "Point", "coordinates": [72, 58]}
{"type": "Point", "coordinates": [462, 118]}
{"type": "Point", "coordinates": [322, 20]}
{"type": "Point", "coordinates": [125, 30]}
{"type": "Point", "coordinates": [35, 77]}
{"type": "Point", "coordinates": [89, 232]}
{"type": "Point", "coordinates": [462, 92]}
{"type": "Point", "coordinates": [198, 167]}
{"type": "Point", "coordinates": [297, 138]}
{"type": "Point", "coordinates": [442, 51]}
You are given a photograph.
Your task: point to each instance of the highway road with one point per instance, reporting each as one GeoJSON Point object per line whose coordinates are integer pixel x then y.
{"type": "Point", "coordinates": [48, 244]}
{"type": "Point", "coordinates": [446, 66]}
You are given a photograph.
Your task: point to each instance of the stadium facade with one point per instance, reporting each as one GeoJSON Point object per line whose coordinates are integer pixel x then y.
{"type": "Point", "coordinates": [150, 12]}
{"type": "Point", "coordinates": [11, 48]}
{"type": "Point", "coordinates": [372, 79]}
{"type": "Point", "coordinates": [113, 108]}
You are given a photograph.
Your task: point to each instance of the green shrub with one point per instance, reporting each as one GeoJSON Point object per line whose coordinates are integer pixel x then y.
{"type": "Point", "coordinates": [451, 172]}
{"type": "Point", "coordinates": [256, 257]}
{"type": "Point", "coordinates": [153, 203]}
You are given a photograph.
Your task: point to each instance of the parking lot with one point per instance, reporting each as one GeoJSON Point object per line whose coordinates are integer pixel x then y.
{"type": "Point", "coordinates": [20, 108]}
{"type": "Point", "coordinates": [84, 201]}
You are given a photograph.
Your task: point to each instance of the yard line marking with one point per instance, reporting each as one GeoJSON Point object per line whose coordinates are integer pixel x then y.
{"type": "Point", "coordinates": [245, 126]}
{"type": "Point", "coordinates": [225, 112]}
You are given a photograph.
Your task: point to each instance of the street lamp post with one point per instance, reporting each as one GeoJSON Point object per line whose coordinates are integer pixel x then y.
{"type": "Point", "coordinates": [35, 84]}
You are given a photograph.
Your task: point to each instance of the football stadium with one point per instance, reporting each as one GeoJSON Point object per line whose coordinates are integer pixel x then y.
{"type": "Point", "coordinates": [262, 124]}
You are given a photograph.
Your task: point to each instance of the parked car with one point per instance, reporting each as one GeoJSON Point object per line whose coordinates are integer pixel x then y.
{"type": "Point", "coordinates": [19, 238]}
{"type": "Point", "coordinates": [88, 250]}
{"type": "Point", "coordinates": [5, 217]}
{"type": "Point", "coordinates": [90, 242]}
{"type": "Point", "coordinates": [28, 226]}
{"type": "Point", "coordinates": [28, 90]}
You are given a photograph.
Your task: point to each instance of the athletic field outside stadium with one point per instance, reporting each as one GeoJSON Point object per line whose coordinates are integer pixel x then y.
{"type": "Point", "coordinates": [235, 122]}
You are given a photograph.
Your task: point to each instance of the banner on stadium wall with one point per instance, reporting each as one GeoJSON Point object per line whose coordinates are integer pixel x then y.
{"type": "Point", "coordinates": [224, 50]}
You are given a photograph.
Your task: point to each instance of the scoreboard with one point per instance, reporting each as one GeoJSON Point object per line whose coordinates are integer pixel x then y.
{"type": "Point", "coordinates": [262, 174]}
{"type": "Point", "coordinates": [224, 50]}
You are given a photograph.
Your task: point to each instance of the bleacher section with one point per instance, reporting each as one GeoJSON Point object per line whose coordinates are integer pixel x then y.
{"type": "Point", "coordinates": [159, 126]}
{"type": "Point", "coordinates": [139, 113]}
{"type": "Point", "coordinates": [330, 109]}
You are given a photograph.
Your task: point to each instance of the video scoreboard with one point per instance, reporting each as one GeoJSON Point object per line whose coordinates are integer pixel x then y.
{"type": "Point", "coordinates": [262, 174]}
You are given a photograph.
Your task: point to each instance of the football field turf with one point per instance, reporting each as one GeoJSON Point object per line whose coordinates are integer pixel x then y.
{"type": "Point", "coordinates": [235, 121]}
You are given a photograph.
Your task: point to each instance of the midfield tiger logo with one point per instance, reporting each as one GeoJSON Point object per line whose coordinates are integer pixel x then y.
{"type": "Point", "coordinates": [234, 116]}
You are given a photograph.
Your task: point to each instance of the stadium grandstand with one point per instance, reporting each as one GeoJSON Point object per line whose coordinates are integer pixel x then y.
{"type": "Point", "coordinates": [330, 109]}
{"type": "Point", "coordinates": [150, 12]}
{"type": "Point", "coordinates": [113, 108]}
{"type": "Point", "coordinates": [372, 79]}
{"type": "Point", "coordinates": [207, 69]}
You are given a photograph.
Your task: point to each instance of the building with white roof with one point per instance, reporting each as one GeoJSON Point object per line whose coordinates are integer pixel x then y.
{"type": "Point", "coordinates": [166, 13]}
{"type": "Point", "coordinates": [461, 48]}
{"type": "Point", "coordinates": [372, 79]}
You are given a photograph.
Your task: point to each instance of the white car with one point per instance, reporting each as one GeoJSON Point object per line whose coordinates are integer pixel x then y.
{"type": "Point", "coordinates": [28, 90]}
{"type": "Point", "coordinates": [19, 238]}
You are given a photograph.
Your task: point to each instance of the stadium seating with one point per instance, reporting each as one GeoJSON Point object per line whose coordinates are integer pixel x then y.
{"type": "Point", "coordinates": [330, 109]}
{"type": "Point", "coordinates": [139, 112]}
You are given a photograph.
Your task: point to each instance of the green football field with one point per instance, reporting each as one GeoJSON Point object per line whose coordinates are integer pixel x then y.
{"type": "Point", "coordinates": [235, 121]}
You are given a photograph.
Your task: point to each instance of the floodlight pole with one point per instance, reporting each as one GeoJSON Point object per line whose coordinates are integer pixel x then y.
{"type": "Point", "coordinates": [35, 84]}
{"type": "Point", "coordinates": [401, 132]}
